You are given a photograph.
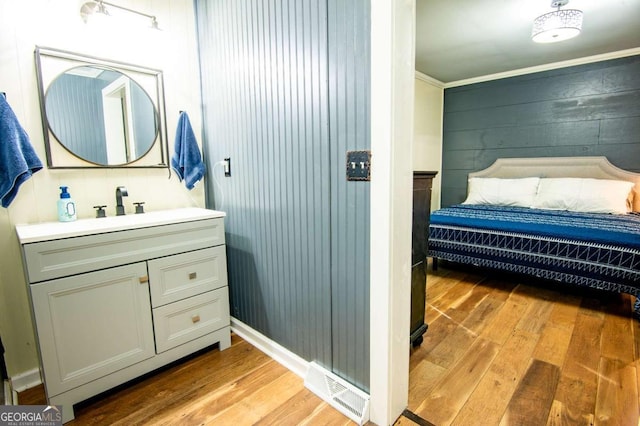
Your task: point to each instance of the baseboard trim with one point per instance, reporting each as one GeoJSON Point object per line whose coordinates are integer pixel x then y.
{"type": "Point", "coordinates": [279, 353]}
{"type": "Point", "coordinates": [26, 380]}
{"type": "Point", "coordinates": [6, 393]}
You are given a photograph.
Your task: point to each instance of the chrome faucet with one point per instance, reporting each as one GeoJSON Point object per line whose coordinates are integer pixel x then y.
{"type": "Point", "coordinates": [121, 191]}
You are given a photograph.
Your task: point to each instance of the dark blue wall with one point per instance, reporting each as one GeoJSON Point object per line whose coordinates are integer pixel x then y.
{"type": "Point", "coordinates": [285, 90]}
{"type": "Point", "coordinates": [585, 110]}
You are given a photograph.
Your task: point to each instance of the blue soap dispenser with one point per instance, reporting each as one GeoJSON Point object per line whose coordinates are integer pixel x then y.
{"type": "Point", "coordinates": [66, 206]}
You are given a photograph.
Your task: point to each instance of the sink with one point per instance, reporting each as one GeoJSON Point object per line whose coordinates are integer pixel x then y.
{"type": "Point", "coordinates": [31, 233]}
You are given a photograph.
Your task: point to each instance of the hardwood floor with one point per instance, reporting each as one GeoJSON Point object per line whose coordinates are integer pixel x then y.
{"type": "Point", "coordinates": [500, 350]}
{"type": "Point", "coordinates": [238, 386]}
{"type": "Point", "coordinates": [505, 350]}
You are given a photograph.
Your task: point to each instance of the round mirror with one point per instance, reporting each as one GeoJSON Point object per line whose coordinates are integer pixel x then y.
{"type": "Point", "coordinates": [101, 115]}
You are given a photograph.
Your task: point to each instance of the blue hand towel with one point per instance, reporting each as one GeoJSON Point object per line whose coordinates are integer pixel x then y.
{"type": "Point", "coordinates": [186, 160]}
{"type": "Point", "coordinates": [18, 160]}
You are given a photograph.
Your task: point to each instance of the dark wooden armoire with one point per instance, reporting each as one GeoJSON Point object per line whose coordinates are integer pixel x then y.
{"type": "Point", "coordinates": [420, 231]}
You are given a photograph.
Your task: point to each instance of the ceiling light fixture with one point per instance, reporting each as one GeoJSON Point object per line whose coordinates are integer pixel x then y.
{"type": "Point", "coordinates": [103, 8]}
{"type": "Point", "coordinates": [558, 25]}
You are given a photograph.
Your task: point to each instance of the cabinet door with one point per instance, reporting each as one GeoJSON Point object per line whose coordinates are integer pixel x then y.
{"type": "Point", "coordinates": [92, 324]}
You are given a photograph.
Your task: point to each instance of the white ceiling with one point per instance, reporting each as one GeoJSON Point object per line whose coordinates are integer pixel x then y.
{"type": "Point", "coordinates": [462, 39]}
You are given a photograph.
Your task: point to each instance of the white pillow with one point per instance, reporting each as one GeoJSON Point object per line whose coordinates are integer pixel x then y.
{"type": "Point", "coordinates": [502, 192]}
{"type": "Point", "coordinates": [584, 195]}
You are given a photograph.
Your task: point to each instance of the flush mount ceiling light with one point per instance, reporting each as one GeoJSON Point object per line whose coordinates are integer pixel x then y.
{"type": "Point", "coordinates": [558, 25]}
{"type": "Point", "coordinates": [97, 8]}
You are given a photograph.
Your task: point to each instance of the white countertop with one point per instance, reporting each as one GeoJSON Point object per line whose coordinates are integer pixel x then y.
{"type": "Point", "coordinates": [55, 230]}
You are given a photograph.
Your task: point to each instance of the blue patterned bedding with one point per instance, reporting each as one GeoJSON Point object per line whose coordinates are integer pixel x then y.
{"type": "Point", "coordinates": [590, 249]}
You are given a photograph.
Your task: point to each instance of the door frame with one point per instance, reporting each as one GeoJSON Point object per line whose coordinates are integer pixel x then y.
{"type": "Point", "coordinates": [392, 105]}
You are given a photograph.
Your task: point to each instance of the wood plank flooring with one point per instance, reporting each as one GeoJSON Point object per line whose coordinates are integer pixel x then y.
{"type": "Point", "coordinates": [500, 350]}
{"type": "Point", "coordinates": [506, 350]}
{"type": "Point", "coordinates": [238, 386]}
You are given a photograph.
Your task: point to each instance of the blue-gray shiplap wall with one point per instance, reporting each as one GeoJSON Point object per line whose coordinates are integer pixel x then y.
{"type": "Point", "coordinates": [285, 95]}
{"type": "Point", "coordinates": [349, 112]}
{"type": "Point", "coordinates": [585, 110]}
{"type": "Point", "coordinates": [72, 102]}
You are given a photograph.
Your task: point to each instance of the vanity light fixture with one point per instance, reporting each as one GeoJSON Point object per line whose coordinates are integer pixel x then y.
{"type": "Point", "coordinates": [103, 8]}
{"type": "Point", "coordinates": [558, 25]}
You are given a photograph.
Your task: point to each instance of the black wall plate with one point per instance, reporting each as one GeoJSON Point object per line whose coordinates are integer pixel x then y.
{"type": "Point", "coordinates": [359, 165]}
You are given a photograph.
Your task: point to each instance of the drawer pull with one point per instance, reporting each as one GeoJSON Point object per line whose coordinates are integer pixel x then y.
{"type": "Point", "coordinates": [195, 319]}
{"type": "Point", "coordinates": [144, 279]}
{"type": "Point", "coordinates": [193, 275]}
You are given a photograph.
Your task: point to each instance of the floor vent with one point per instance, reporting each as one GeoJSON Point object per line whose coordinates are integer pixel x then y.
{"type": "Point", "coordinates": [340, 394]}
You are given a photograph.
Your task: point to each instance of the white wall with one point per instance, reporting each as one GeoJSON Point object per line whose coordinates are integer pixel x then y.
{"type": "Point", "coordinates": [427, 141]}
{"type": "Point", "coordinates": [57, 24]}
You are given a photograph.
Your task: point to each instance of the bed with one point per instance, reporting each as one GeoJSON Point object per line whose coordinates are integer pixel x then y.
{"type": "Point", "coordinates": [529, 216]}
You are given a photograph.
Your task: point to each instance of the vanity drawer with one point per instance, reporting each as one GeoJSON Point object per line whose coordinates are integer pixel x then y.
{"type": "Point", "coordinates": [177, 277]}
{"type": "Point", "coordinates": [70, 256]}
{"type": "Point", "coordinates": [188, 319]}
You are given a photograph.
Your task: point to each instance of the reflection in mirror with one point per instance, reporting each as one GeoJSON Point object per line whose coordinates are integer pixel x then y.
{"type": "Point", "coordinates": [101, 115]}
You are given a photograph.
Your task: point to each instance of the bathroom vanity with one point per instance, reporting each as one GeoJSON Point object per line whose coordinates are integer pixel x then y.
{"type": "Point", "coordinates": [114, 298]}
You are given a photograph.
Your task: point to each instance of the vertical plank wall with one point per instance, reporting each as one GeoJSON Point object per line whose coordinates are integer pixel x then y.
{"type": "Point", "coordinates": [70, 101]}
{"type": "Point", "coordinates": [586, 110]}
{"type": "Point", "coordinates": [274, 104]}
{"type": "Point", "coordinates": [349, 113]}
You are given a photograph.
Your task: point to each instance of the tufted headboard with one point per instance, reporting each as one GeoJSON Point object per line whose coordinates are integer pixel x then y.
{"type": "Point", "coordinates": [554, 167]}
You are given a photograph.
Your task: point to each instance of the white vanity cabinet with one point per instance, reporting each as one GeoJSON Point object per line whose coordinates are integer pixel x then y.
{"type": "Point", "coordinates": [115, 298]}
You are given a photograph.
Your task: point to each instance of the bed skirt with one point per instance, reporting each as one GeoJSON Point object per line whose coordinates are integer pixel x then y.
{"type": "Point", "coordinates": [491, 241]}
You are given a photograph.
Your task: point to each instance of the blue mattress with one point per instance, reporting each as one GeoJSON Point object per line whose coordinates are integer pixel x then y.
{"type": "Point", "coordinates": [595, 250]}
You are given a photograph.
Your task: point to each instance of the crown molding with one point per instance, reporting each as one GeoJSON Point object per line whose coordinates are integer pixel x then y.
{"type": "Point", "coordinates": [545, 67]}
{"type": "Point", "coordinates": [427, 79]}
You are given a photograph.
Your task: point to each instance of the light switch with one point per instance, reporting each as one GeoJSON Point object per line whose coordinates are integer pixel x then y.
{"type": "Point", "coordinates": [359, 165]}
